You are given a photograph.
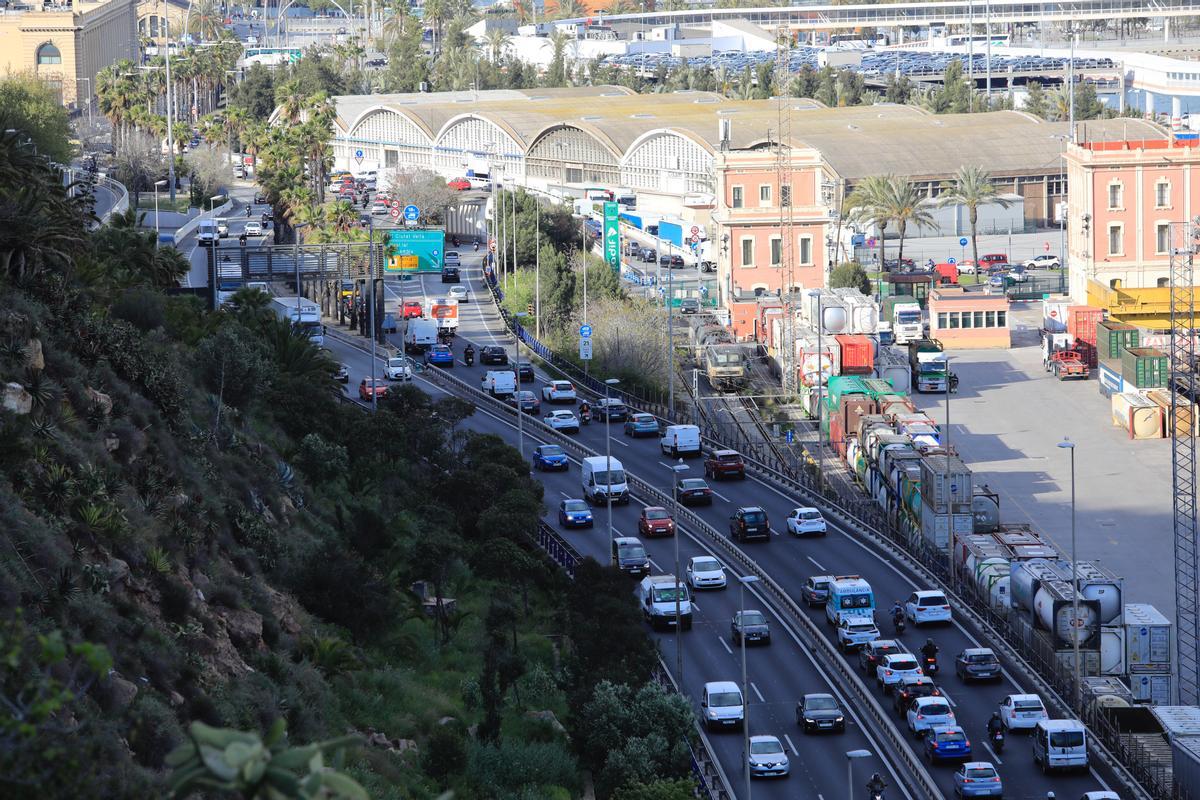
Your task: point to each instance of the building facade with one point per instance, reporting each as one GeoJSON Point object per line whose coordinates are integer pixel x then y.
{"type": "Point", "coordinates": [963, 320]}
{"type": "Point", "coordinates": [1124, 195]}
{"type": "Point", "coordinates": [66, 45]}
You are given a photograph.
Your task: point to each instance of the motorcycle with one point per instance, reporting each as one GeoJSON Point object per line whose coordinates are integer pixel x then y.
{"type": "Point", "coordinates": [931, 664]}
{"type": "Point", "coordinates": [997, 739]}
{"type": "Point", "coordinates": [477, 247]}
{"type": "Point", "coordinates": [898, 623]}
{"type": "Point", "coordinates": [247, 211]}
{"type": "Point", "coordinates": [469, 358]}
{"type": "Point", "coordinates": [585, 416]}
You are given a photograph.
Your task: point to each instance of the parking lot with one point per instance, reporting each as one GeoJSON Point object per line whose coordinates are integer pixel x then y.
{"type": "Point", "coordinates": [1006, 421]}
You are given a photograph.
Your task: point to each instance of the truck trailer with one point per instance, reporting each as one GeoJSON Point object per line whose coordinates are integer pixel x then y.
{"type": "Point", "coordinates": [303, 314]}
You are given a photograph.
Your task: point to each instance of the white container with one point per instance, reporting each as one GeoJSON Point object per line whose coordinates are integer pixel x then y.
{"type": "Point", "coordinates": [1185, 766]}
{"type": "Point", "coordinates": [1112, 650]}
{"type": "Point", "coordinates": [1153, 689]}
{"type": "Point", "coordinates": [1147, 639]}
{"type": "Point", "coordinates": [817, 358]}
{"type": "Point", "coordinates": [1054, 314]}
{"type": "Point", "coordinates": [936, 528]}
{"type": "Point", "coordinates": [1178, 721]}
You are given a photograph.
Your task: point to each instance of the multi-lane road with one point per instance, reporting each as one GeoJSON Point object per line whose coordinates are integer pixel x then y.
{"type": "Point", "coordinates": [778, 674]}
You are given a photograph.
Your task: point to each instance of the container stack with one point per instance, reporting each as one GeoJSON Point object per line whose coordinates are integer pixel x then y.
{"type": "Point", "coordinates": [857, 353]}
{"type": "Point", "coordinates": [946, 497]}
{"type": "Point", "coordinates": [1148, 649]}
{"type": "Point", "coordinates": [1112, 338]}
{"type": "Point", "coordinates": [1185, 419]}
{"type": "Point", "coordinates": [1081, 324]}
{"type": "Point", "coordinates": [1139, 417]}
{"type": "Point", "coordinates": [1144, 368]}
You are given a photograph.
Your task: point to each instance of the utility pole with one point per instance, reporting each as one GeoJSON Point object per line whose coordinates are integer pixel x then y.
{"type": "Point", "coordinates": [787, 227]}
{"type": "Point", "coordinates": [170, 134]}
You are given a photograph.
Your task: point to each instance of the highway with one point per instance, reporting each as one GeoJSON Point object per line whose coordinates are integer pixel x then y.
{"type": "Point", "coordinates": [778, 673]}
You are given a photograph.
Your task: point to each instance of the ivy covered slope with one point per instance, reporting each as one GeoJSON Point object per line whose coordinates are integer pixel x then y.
{"type": "Point", "coordinates": [194, 528]}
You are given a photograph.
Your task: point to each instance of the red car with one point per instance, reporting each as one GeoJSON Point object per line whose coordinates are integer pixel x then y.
{"type": "Point", "coordinates": [411, 308]}
{"type": "Point", "coordinates": [459, 184]}
{"type": "Point", "coordinates": [369, 386]}
{"type": "Point", "coordinates": [655, 521]}
{"type": "Point", "coordinates": [724, 464]}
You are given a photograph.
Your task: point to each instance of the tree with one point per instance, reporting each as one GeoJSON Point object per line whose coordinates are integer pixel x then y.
{"type": "Point", "coordinates": [30, 106]}
{"type": "Point", "coordinates": [556, 73]}
{"type": "Point", "coordinates": [233, 363]}
{"type": "Point", "coordinates": [139, 163]}
{"type": "Point", "coordinates": [972, 187]}
{"type": "Point", "coordinates": [665, 789]}
{"type": "Point", "coordinates": [868, 204]}
{"type": "Point", "coordinates": [905, 205]}
{"type": "Point", "coordinates": [427, 190]}
{"type": "Point", "coordinates": [209, 168]}
{"type": "Point", "coordinates": [850, 274]}
{"type": "Point", "coordinates": [1035, 101]}
{"type": "Point", "coordinates": [255, 93]}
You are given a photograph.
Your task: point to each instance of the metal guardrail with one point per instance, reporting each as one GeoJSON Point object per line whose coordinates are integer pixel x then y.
{"type": "Point", "coordinates": [909, 767]}
{"type": "Point", "coordinates": [122, 194]}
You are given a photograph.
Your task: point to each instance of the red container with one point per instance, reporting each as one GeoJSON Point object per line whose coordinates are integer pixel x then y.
{"type": "Point", "coordinates": [836, 435]}
{"type": "Point", "coordinates": [854, 407]}
{"type": "Point", "coordinates": [858, 354]}
{"type": "Point", "coordinates": [1089, 353]}
{"type": "Point", "coordinates": [1082, 321]}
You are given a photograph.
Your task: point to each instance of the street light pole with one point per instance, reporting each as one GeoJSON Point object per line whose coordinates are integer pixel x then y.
{"type": "Point", "coordinates": [850, 756]}
{"type": "Point", "coordinates": [170, 129]}
{"type": "Point", "coordinates": [743, 580]}
{"type": "Point", "coordinates": [156, 228]}
{"type": "Point", "coordinates": [608, 384]}
{"type": "Point", "coordinates": [371, 278]}
{"type": "Point", "coordinates": [1067, 444]}
{"type": "Point", "coordinates": [537, 267]}
{"type": "Point", "coordinates": [677, 471]}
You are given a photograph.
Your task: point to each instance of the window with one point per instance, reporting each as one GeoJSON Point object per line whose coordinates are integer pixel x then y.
{"type": "Point", "coordinates": [391, 159]}
{"type": "Point", "coordinates": [979, 322]}
{"type": "Point", "coordinates": [1001, 319]}
{"type": "Point", "coordinates": [48, 54]}
{"type": "Point", "coordinates": [806, 254]}
{"type": "Point", "coordinates": [785, 195]}
{"type": "Point", "coordinates": [953, 319]}
{"type": "Point", "coordinates": [1162, 194]}
{"type": "Point", "coordinates": [966, 319]}
{"type": "Point", "coordinates": [1162, 238]}
{"type": "Point", "coordinates": [776, 251]}
{"type": "Point", "coordinates": [1115, 193]}
{"type": "Point", "coordinates": [737, 197]}
{"type": "Point", "coordinates": [747, 252]}
{"type": "Point", "coordinates": [943, 320]}
{"type": "Point", "coordinates": [1115, 247]}
{"type": "Point", "coordinates": [989, 319]}
{"type": "Point", "coordinates": [764, 195]}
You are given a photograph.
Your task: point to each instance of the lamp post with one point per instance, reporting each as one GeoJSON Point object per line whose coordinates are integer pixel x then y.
{"type": "Point", "coordinates": [537, 267]}
{"type": "Point", "coordinates": [88, 81]}
{"type": "Point", "coordinates": [170, 129]}
{"type": "Point", "coordinates": [157, 184]}
{"type": "Point", "coordinates": [1067, 444]}
{"type": "Point", "coordinates": [850, 756]}
{"type": "Point", "coordinates": [608, 384]}
{"type": "Point", "coordinates": [743, 580]}
{"type": "Point", "coordinates": [521, 412]}
{"type": "Point", "coordinates": [371, 278]}
{"type": "Point", "coordinates": [677, 471]}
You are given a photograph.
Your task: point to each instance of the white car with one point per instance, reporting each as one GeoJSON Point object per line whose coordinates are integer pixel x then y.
{"type": "Point", "coordinates": [562, 420]}
{"type": "Point", "coordinates": [767, 757]}
{"type": "Point", "coordinates": [929, 712]}
{"type": "Point", "coordinates": [378, 210]}
{"type": "Point", "coordinates": [251, 40]}
{"type": "Point", "coordinates": [398, 369]}
{"type": "Point", "coordinates": [895, 667]}
{"type": "Point", "coordinates": [854, 632]}
{"type": "Point", "coordinates": [927, 606]}
{"type": "Point", "coordinates": [1022, 711]}
{"type": "Point", "coordinates": [1044, 261]}
{"type": "Point", "coordinates": [458, 292]}
{"type": "Point", "coordinates": [1100, 796]}
{"type": "Point", "coordinates": [966, 267]}
{"type": "Point", "coordinates": [254, 228]}
{"type": "Point", "coordinates": [222, 228]}
{"type": "Point", "coordinates": [559, 392]}
{"type": "Point", "coordinates": [705, 572]}
{"type": "Point", "coordinates": [804, 521]}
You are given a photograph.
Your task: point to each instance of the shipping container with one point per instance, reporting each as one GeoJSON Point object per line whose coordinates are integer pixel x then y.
{"type": "Point", "coordinates": [1137, 416]}
{"type": "Point", "coordinates": [1041, 594]}
{"type": "Point", "coordinates": [1145, 367]}
{"type": "Point", "coordinates": [832, 428]}
{"type": "Point", "coordinates": [1153, 689]}
{"type": "Point", "coordinates": [1105, 691]}
{"type": "Point", "coordinates": [858, 354]}
{"type": "Point", "coordinates": [818, 305]}
{"type": "Point", "coordinates": [891, 365]}
{"type": "Point", "coordinates": [1112, 650]}
{"type": "Point", "coordinates": [877, 388]}
{"type": "Point", "coordinates": [839, 386]}
{"type": "Point", "coordinates": [946, 482]}
{"type": "Point", "coordinates": [1110, 378]}
{"type": "Point", "coordinates": [853, 408]}
{"type": "Point", "coordinates": [818, 358]}
{"type": "Point", "coordinates": [1054, 314]}
{"type": "Point", "coordinates": [1184, 419]}
{"type": "Point", "coordinates": [1113, 337]}
{"type": "Point", "coordinates": [1096, 583]}
{"type": "Point", "coordinates": [936, 529]}
{"type": "Point", "coordinates": [1185, 767]}
{"type": "Point", "coordinates": [1147, 639]}
{"type": "Point", "coordinates": [1082, 321]}
{"type": "Point", "coordinates": [1178, 721]}
{"type": "Point", "coordinates": [985, 506]}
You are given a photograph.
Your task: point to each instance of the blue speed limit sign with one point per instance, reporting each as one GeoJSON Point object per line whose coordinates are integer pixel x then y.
{"type": "Point", "coordinates": [412, 213]}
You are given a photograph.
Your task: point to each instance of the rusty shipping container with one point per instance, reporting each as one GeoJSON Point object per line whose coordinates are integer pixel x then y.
{"type": "Point", "coordinates": [858, 354]}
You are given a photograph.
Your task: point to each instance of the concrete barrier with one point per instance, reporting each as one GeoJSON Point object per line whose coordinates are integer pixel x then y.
{"type": "Point", "coordinates": [187, 228]}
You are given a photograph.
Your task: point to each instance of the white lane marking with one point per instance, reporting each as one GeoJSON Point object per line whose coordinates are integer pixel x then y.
{"type": "Point", "coordinates": [694, 606]}
{"type": "Point", "coordinates": [725, 644]}
{"type": "Point", "coordinates": [949, 699]}
{"type": "Point", "coordinates": [774, 531]}
{"type": "Point", "coordinates": [816, 563]}
{"type": "Point", "coordinates": [653, 563]}
{"type": "Point", "coordinates": [995, 757]}
{"type": "Point", "coordinates": [757, 693]}
{"type": "Point", "coordinates": [564, 494]}
{"type": "Point", "coordinates": [788, 739]}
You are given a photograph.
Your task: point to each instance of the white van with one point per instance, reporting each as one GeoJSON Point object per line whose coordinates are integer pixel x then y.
{"type": "Point", "coordinates": [656, 596]}
{"type": "Point", "coordinates": [499, 382]}
{"type": "Point", "coordinates": [680, 440]}
{"type": "Point", "coordinates": [1060, 744]}
{"type": "Point", "coordinates": [206, 233]}
{"type": "Point", "coordinates": [603, 478]}
{"type": "Point", "coordinates": [721, 705]}
{"type": "Point", "coordinates": [420, 335]}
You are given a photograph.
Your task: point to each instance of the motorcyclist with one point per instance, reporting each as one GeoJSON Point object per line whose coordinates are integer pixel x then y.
{"type": "Point", "coordinates": [994, 725]}
{"type": "Point", "coordinates": [929, 650]}
{"type": "Point", "coordinates": [248, 210]}
{"type": "Point", "coordinates": [469, 355]}
{"type": "Point", "coordinates": [477, 247]}
{"type": "Point", "coordinates": [876, 785]}
{"type": "Point", "coordinates": [585, 410]}
{"type": "Point", "coordinates": [897, 612]}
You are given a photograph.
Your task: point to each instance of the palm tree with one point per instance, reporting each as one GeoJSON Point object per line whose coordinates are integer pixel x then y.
{"type": "Point", "coordinates": [498, 43]}
{"type": "Point", "coordinates": [206, 20]}
{"type": "Point", "coordinates": [435, 14]}
{"type": "Point", "coordinates": [290, 98]}
{"type": "Point", "coordinates": [867, 204]}
{"type": "Point", "coordinates": [906, 205]}
{"type": "Point", "coordinates": [569, 9]}
{"type": "Point", "coordinates": [622, 7]}
{"type": "Point", "coordinates": [972, 187]}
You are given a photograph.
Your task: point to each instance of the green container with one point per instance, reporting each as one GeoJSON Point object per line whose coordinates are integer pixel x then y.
{"type": "Point", "coordinates": [1114, 337]}
{"type": "Point", "coordinates": [877, 387]}
{"type": "Point", "coordinates": [843, 385]}
{"type": "Point", "coordinates": [1144, 367]}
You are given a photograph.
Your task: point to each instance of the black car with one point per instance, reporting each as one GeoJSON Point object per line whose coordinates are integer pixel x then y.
{"type": "Point", "coordinates": [694, 492]}
{"type": "Point", "coordinates": [649, 256]}
{"type": "Point", "coordinates": [752, 625]}
{"type": "Point", "coordinates": [910, 688]}
{"type": "Point", "coordinates": [493, 354]}
{"type": "Point", "coordinates": [259, 198]}
{"type": "Point", "coordinates": [871, 653]}
{"type": "Point", "coordinates": [611, 409]}
{"type": "Point", "coordinates": [749, 522]}
{"type": "Point", "coordinates": [524, 372]}
{"type": "Point", "coordinates": [977, 664]}
{"type": "Point", "coordinates": [450, 275]}
{"type": "Point", "coordinates": [820, 712]}
{"type": "Point", "coordinates": [689, 305]}
{"type": "Point", "coordinates": [676, 262]}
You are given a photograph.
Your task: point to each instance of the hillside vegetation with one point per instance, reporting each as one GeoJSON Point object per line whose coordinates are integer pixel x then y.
{"type": "Point", "coordinates": [196, 529]}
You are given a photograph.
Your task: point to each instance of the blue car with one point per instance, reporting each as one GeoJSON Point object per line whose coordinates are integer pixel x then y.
{"type": "Point", "coordinates": [977, 779]}
{"type": "Point", "coordinates": [947, 743]}
{"type": "Point", "coordinates": [574, 514]}
{"type": "Point", "coordinates": [549, 457]}
{"type": "Point", "coordinates": [439, 355]}
{"type": "Point", "coordinates": [641, 425]}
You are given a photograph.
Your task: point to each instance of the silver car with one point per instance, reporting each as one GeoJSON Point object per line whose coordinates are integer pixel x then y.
{"type": "Point", "coordinates": [767, 757]}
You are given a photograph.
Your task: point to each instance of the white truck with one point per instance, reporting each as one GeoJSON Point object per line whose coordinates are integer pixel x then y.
{"type": "Point", "coordinates": [207, 233]}
{"type": "Point", "coordinates": [906, 322]}
{"type": "Point", "coordinates": [660, 597]}
{"type": "Point", "coordinates": [419, 335]}
{"type": "Point", "coordinates": [444, 312]}
{"type": "Point", "coordinates": [304, 314]}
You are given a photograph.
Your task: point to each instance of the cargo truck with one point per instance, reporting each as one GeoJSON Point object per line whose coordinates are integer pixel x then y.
{"type": "Point", "coordinates": [443, 311]}
{"type": "Point", "coordinates": [929, 367]}
{"type": "Point", "coordinates": [906, 322]}
{"type": "Point", "coordinates": [304, 314]}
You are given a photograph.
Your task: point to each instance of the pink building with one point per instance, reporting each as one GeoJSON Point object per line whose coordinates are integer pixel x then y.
{"type": "Point", "coordinates": [963, 320]}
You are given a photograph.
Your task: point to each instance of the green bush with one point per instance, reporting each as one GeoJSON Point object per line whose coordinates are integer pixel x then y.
{"type": "Point", "coordinates": [850, 274]}
{"type": "Point", "coordinates": [510, 770]}
{"type": "Point", "coordinates": [444, 753]}
{"type": "Point", "coordinates": [143, 308]}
